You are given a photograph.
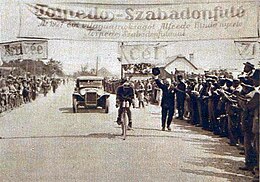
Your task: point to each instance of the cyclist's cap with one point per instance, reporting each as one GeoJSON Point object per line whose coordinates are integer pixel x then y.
{"type": "Point", "coordinates": [122, 81]}
{"type": "Point", "coordinates": [126, 84]}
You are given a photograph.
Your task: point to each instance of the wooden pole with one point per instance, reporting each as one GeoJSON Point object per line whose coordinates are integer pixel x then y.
{"type": "Point", "coordinates": [97, 67]}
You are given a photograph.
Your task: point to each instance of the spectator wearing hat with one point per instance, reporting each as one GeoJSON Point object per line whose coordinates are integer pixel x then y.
{"type": "Point", "coordinates": [198, 87]}
{"type": "Point", "coordinates": [247, 125]}
{"type": "Point", "coordinates": [140, 89]}
{"type": "Point", "coordinates": [236, 87]}
{"type": "Point", "coordinates": [253, 106]}
{"type": "Point", "coordinates": [26, 93]}
{"type": "Point", "coordinates": [149, 90]}
{"type": "Point", "coordinates": [213, 99]}
{"type": "Point", "coordinates": [224, 107]}
{"type": "Point", "coordinates": [228, 126]}
{"type": "Point", "coordinates": [180, 94]}
{"type": "Point", "coordinates": [233, 113]}
{"type": "Point", "coordinates": [248, 69]}
{"type": "Point", "coordinates": [190, 101]}
{"type": "Point", "coordinates": [204, 97]}
{"type": "Point", "coordinates": [229, 83]}
{"type": "Point", "coordinates": [54, 85]}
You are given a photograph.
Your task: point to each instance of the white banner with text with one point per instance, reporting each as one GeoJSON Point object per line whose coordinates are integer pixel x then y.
{"type": "Point", "coordinates": [115, 22]}
{"type": "Point", "coordinates": [24, 50]}
{"type": "Point", "coordinates": [134, 54]}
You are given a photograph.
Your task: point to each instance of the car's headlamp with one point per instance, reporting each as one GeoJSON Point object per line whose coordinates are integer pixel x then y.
{"type": "Point", "coordinates": [82, 91]}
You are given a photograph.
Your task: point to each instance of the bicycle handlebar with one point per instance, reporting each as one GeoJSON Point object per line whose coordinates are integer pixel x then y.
{"type": "Point", "coordinates": [126, 104]}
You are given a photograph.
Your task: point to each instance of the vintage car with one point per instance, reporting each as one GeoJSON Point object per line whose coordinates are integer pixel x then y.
{"type": "Point", "coordinates": [89, 93]}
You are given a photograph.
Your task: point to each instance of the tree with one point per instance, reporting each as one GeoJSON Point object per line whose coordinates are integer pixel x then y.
{"type": "Point", "coordinates": [36, 67]}
{"type": "Point", "coordinates": [84, 68]}
{"type": "Point", "coordinates": [54, 67]}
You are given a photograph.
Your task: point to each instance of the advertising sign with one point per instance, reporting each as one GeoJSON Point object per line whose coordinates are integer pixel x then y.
{"type": "Point", "coordinates": [24, 50]}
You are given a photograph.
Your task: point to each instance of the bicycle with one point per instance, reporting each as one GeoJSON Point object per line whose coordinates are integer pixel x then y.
{"type": "Point", "coordinates": [125, 106]}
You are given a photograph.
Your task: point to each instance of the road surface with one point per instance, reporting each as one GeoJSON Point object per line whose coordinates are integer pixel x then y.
{"type": "Point", "coordinates": [45, 141]}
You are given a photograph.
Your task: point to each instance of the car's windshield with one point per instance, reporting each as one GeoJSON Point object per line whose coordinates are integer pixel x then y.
{"type": "Point", "coordinates": [90, 83]}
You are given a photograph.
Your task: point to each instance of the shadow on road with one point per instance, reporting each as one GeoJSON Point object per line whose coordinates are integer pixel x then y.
{"type": "Point", "coordinates": [229, 176]}
{"type": "Point", "coordinates": [226, 158]}
{"type": "Point", "coordinates": [148, 129]}
{"type": "Point", "coordinates": [91, 135]}
{"type": "Point", "coordinates": [69, 110]}
{"type": "Point", "coordinates": [228, 168]}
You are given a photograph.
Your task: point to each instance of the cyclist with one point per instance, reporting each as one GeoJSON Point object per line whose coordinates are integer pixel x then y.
{"type": "Point", "coordinates": [124, 93]}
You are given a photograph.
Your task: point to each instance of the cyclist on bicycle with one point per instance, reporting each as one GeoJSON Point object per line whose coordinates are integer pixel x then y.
{"type": "Point", "coordinates": [124, 93]}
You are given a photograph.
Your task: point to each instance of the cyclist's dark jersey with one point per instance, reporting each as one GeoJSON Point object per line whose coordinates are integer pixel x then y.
{"type": "Point", "coordinates": [125, 94]}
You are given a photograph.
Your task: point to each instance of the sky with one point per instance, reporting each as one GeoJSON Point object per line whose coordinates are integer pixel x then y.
{"type": "Point", "coordinates": [73, 54]}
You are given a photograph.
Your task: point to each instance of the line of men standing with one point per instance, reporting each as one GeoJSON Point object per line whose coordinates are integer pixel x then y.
{"type": "Point", "coordinates": [228, 107]}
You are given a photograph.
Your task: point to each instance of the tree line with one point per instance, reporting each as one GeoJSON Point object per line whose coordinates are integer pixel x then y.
{"type": "Point", "coordinates": [35, 67]}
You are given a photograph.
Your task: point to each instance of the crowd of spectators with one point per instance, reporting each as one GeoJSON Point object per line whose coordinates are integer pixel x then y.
{"type": "Point", "coordinates": [227, 106]}
{"type": "Point", "coordinates": [18, 90]}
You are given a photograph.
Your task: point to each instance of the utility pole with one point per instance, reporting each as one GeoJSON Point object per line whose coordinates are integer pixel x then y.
{"type": "Point", "coordinates": [97, 67]}
{"type": "Point", "coordinates": [34, 67]}
{"type": "Point", "coordinates": [27, 67]}
{"type": "Point", "coordinates": [120, 44]}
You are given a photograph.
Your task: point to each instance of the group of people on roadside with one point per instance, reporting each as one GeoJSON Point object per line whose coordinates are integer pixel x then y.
{"type": "Point", "coordinates": [18, 90]}
{"type": "Point", "coordinates": [229, 107]}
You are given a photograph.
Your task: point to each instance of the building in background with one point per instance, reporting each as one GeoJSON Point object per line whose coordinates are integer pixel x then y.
{"type": "Point", "coordinates": [179, 64]}
{"type": "Point", "coordinates": [103, 72]}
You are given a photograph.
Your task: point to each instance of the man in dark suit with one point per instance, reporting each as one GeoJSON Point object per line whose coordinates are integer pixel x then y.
{"type": "Point", "coordinates": [167, 102]}
{"type": "Point", "coordinates": [181, 94]}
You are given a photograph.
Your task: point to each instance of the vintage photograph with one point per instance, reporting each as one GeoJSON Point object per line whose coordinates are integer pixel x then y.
{"type": "Point", "coordinates": [129, 91]}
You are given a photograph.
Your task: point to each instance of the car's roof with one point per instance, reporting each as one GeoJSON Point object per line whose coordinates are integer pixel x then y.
{"type": "Point", "coordinates": [89, 78]}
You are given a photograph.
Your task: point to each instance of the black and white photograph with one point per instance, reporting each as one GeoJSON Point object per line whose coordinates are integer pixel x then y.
{"type": "Point", "coordinates": [129, 91]}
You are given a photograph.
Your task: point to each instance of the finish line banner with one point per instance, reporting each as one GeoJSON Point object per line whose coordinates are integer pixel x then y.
{"type": "Point", "coordinates": [135, 54]}
{"type": "Point", "coordinates": [83, 21]}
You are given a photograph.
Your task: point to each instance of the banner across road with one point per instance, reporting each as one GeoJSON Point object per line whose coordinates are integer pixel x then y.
{"type": "Point", "coordinates": [115, 22]}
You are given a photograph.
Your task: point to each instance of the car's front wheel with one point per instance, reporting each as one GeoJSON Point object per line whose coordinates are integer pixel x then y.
{"type": "Point", "coordinates": [107, 106]}
{"type": "Point", "coordinates": [75, 106]}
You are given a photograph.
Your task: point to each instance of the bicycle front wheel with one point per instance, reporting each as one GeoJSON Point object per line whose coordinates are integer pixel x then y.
{"type": "Point", "coordinates": [124, 125]}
